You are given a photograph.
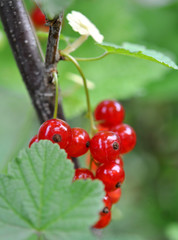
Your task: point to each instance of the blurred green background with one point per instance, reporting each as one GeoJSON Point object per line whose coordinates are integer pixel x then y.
{"type": "Point", "coordinates": [148, 209]}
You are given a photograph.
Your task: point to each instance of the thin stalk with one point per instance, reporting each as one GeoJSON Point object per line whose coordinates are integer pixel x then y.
{"type": "Point", "coordinates": [77, 43]}
{"type": "Point", "coordinates": [91, 161]}
{"type": "Point", "coordinates": [73, 60]}
{"type": "Point", "coordinates": [55, 81]}
{"type": "Point", "coordinates": [92, 58]}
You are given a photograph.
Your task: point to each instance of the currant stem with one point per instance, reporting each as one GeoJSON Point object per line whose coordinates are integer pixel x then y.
{"type": "Point", "coordinates": [92, 58]}
{"type": "Point", "coordinates": [91, 161]}
{"type": "Point", "coordinates": [72, 59]}
{"type": "Point", "coordinates": [77, 43]}
{"type": "Point", "coordinates": [55, 81]}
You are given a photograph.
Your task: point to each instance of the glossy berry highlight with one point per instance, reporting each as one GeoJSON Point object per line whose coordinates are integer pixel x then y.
{"type": "Point", "coordinates": [112, 175]}
{"type": "Point", "coordinates": [57, 131]}
{"type": "Point", "coordinates": [119, 161]}
{"type": "Point", "coordinates": [110, 113]}
{"type": "Point", "coordinates": [105, 146]}
{"type": "Point", "coordinates": [79, 143]}
{"type": "Point", "coordinates": [107, 204]}
{"type": "Point", "coordinates": [127, 136]}
{"type": "Point", "coordinates": [83, 173]}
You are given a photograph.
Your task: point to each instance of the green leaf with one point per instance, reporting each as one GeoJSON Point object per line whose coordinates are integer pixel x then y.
{"type": "Point", "coordinates": [139, 51]}
{"type": "Point", "coordinates": [164, 89]}
{"type": "Point", "coordinates": [115, 77]}
{"type": "Point", "coordinates": [53, 8]}
{"type": "Point", "coordinates": [38, 198]}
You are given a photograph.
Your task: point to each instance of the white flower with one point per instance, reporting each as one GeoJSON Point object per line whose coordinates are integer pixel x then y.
{"type": "Point", "coordinates": [82, 25]}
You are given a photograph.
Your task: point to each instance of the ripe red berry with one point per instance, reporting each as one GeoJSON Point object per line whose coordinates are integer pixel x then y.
{"type": "Point", "coordinates": [107, 204]}
{"type": "Point", "coordinates": [112, 175]}
{"type": "Point", "coordinates": [127, 136]}
{"type": "Point", "coordinates": [105, 146]}
{"type": "Point", "coordinates": [57, 131]}
{"type": "Point", "coordinates": [83, 173]}
{"type": "Point", "coordinates": [79, 143]}
{"type": "Point", "coordinates": [38, 17]}
{"type": "Point", "coordinates": [33, 140]}
{"type": "Point", "coordinates": [119, 161]}
{"type": "Point", "coordinates": [101, 128]}
{"type": "Point", "coordinates": [103, 221]}
{"type": "Point", "coordinates": [115, 195]}
{"type": "Point", "coordinates": [111, 112]}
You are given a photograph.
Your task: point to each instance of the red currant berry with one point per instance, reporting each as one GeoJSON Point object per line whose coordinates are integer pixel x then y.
{"type": "Point", "coordinates": [79, 143]}
{"type": "Point", "coordinates": [127, 136]}
{"type": "Point", "coordinates": [57, 131]}
{"type": "Point", "coordinates": [107, 204]}
{"type": "Point", "coordinates": [112, 175]}
{"type": "Point", "coordinates": [33, 140]}
{"type": "Point", "coordinates": [103, 221]}
{"type": "Point", "coordinates": [119, 161]}
{"type": "Point", "coordinates": [111, 112]}
{"type": "Point", "coordinates": [38, 17]}
{"type": "Point", "coordinates": [83, 173]}
{"type": "Point", "coordinates": [115, 195]}
{"type": "Point", "coordinates": [105, 146]}
{"type": "Point", "coordinates": [101, 128]}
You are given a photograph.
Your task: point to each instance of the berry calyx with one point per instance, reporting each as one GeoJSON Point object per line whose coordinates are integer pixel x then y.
{"type": "Point", "coordinates": [83, 173]}
{"type": "Point", "coordinates": [103, 221]}
{"type": "Point", "coordinates": [105, 146]}
{"type": "Point", "coordinates": [110, 113]}
{"type": "Point", "coordinates": [112, 175]}
{"type": "Point", "coordinates": [127, 136]}
{"type": "Point", "coordinates": [38, 17]}
{"type": "Point", "coordinates": [115, 195]}
{"type": "Point", "coordinates": [107, 204]}
{"type": "Point", "coordinates": [57, 131]}
{"type": "Point", "coordinates": [79, 143]}
{"type": "Point", "coordinates": [33, 140]}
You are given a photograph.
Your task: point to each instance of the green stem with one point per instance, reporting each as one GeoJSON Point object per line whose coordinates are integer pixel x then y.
{"type": "Point", "coordinates": [76, 44]}
{"type": "Point", "coordinates": [92, 58]}
{"type": "Point", "coordinates": [55, 80]}
{"type": "Point", "coordinates": [91, 161]}
{"type": "Point", "coordinates": [73, 60]}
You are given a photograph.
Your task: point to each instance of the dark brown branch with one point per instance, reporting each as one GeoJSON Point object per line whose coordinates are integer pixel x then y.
{"type": "Point", "coordinates": [24, 45]}
{"type": "Point", "coordinates": [52, 57]}
{"type": "Point", "coordinates": [35, 74]}
{"type": "Point", "coordinates": [51, 60]}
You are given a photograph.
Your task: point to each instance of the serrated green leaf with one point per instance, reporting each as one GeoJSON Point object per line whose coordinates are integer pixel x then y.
{"type": "Point", "coordinates": [53, 8]}
{"type": "Point", "coordinates": [37, 197]}
{"type": "Point", "coordinates": [139, 51]}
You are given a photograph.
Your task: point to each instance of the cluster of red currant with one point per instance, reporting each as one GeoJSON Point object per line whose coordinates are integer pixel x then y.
{"type": "Point", "coordinates": [112, 139]}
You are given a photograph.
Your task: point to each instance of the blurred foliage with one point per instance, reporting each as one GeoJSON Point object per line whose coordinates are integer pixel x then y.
{"type": "Point", "coordinates": [148, 208]}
